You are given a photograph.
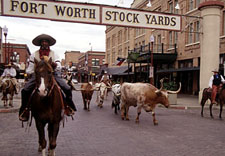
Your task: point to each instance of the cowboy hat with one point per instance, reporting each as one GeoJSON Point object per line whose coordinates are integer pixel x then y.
{"type": "Point", "coordinates": [215, 70]}
{"type": "Point", "coordinates": [37, 40]}
{"type": "Point", "coordinates": [8, 65]}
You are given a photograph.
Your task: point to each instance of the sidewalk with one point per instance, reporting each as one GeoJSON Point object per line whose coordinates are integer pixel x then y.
{"type": "Point", "coordinates": [185, 101]}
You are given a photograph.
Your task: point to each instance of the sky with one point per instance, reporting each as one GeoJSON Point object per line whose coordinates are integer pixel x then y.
{"type": "Point", "coordinates": [69, 36]}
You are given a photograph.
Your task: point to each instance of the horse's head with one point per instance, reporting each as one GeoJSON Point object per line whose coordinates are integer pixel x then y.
{"type": "Point", "coordinates": [6, 84]}
{"type": "Point", "coordinates": [44, 76]}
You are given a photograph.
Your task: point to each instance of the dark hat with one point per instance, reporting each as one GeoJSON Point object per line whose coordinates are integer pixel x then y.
{"type": "Point", "coordinates": [37, 40]}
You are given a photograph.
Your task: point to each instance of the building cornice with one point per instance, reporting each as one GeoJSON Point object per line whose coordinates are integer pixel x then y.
{"type": "Point", "coordinates": [211, 4]}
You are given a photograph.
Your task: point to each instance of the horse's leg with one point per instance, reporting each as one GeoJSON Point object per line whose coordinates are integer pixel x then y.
{"type": "Point", "coordinates": [53, 130]}
{"type": "Point", "coordinates": [210, 107]}
{"type": "Point", "coordinates": [203, 104]}
{"type": "Point", "coordinates": [4, 98]}
{"type": "Point", "coordinates": [11, 100]}
{"type": "Point", "coordinates": [41, 134]}
{"type": "Point", "coordinates": [221, 108]}
{"type": "Point", "coordinates": [88, 105]}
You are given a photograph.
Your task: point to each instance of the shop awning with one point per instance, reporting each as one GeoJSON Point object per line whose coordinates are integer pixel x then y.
{"type": "Point", "coordinates": [118, 70]}
{"type": "Point", "coordinates": [178, 70]}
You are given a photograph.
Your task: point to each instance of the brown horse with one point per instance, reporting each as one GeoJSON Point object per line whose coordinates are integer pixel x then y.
{"type": "Point", "coordinates": [220, 98]}
{"type": "Point", "coordinates": [7, 88]}
{"type": "Point", "coordinates": [46, 105]}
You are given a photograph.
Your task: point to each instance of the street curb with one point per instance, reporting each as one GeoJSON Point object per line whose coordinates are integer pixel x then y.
{"type": "Point", "coordinates": [9, 110]}
{"type": "Point", "coordinates": [185, 107]}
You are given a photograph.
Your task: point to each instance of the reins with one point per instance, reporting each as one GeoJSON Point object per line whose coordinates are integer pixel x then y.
{"type": "Point", "coordinates": [58, 88]}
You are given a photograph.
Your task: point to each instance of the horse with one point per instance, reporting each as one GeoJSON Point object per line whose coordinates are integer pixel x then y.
{"type": "Point", "coordinates": [220, 98]}
{"type": "Point", "coordinates": [7, 88]}
{"type": "Point", "coordinates": [46, 104]}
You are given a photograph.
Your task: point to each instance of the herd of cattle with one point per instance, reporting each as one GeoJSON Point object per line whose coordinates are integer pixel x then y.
{"type": "Point", "coordinates": [140, 95]}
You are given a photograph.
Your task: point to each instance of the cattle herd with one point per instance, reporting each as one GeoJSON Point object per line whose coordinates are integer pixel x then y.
{"type": "Point", "coordinates": [140, 95]}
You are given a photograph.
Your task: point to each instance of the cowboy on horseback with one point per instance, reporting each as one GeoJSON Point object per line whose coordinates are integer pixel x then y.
{"type": "Point", "coordinates": [10, 72]}
{"type": "Point", "coordinates": [105, 78]}
{"type": "Point", "coordinates": [44, 41]}
{"type": "Point", "coordinates": [215, 83]}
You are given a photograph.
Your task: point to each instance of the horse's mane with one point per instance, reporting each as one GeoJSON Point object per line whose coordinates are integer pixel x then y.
{"type": "Point", "coordinates": [43, 63]}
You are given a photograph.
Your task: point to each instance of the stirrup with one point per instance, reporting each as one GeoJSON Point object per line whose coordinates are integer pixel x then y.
{"type": "Point", "coordinates": [24, 116]}
{"type": "Point", "coordinates": [69, 111]}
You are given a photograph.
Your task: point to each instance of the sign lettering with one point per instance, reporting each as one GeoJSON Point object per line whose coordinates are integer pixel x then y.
{"type": "Point", "coordinates": [90, 13]}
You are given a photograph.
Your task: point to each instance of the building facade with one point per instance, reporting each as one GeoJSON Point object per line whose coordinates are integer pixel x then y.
{"type": "Point", "coordinates": [89, 65]}
{"type": "Point", "coordinates": [71, 56]}
{"type": "Point", "coordinates": [185, 43]}
{"type": "Point", "coordinates": [18, 53]}
{"type": "Point", "coordinates": [1, 40]}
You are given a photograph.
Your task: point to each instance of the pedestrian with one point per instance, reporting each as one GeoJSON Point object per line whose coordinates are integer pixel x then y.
{"type": "Point", "coordinates": [215, 83]}
{"type": "Point", "coordinates": [10, 72]}
{"type": "Point", "coordinates": [44, 41]}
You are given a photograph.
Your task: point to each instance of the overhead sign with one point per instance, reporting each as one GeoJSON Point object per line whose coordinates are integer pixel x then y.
{"type": "Point", "coordinates": [90, 13]}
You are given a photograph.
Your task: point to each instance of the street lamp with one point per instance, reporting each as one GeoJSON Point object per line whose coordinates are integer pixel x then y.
{"type": "Point", "coordinates": [151, 75]}
{"type": "Point", "coordinates": [149, 4]}
{"type": "Point", "coordinates": [5, 31]}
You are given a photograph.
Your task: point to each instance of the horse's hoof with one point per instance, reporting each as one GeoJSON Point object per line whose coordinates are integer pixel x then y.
{"type": "Point", "coordinates": [137, 121]}
{"type": "Point", "coordinates": [127, 119]}
{"type": "Point", "coordinates": [122, 118]}
{"type": "Point", "coordinates": [155, 123]}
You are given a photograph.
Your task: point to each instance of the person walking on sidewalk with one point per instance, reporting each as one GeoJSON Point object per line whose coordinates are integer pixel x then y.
{"type": "Point", "coordinates": [215, 83]}
{"type": "Point", "coordinates": [44, 41]}
{"type": "Point", "coordinates": [10, 72]}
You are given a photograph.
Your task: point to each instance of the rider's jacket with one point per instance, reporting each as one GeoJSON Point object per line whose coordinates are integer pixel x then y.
{"type": "Point", "coordinates": [36, 55]}
{"type": "Point", "coordinates": [9, 71]}
{"type": "Point", "coordinates": [216, 80]}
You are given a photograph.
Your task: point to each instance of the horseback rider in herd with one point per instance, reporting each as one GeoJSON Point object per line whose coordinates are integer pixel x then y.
{"type": "Point", "coordinates": [215, 83]}
{"type": "Point", "coordinates": [44, 41]}
{"type": "Point", "coordinates": [105, 78]}
{"type": "Point", "coordinates": [10, 72]}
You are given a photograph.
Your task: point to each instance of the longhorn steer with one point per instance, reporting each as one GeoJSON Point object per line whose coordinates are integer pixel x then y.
{"type": "Point", "coordinates": [101, 93]}
{"type": "Point", "coordinates": [87, 91]}
{"type": "Point", "coordinates": [144, 96]}
{"type": "Point", "coordinates": [116, 97]}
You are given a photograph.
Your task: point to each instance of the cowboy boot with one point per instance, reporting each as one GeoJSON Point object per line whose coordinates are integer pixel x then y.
{"type": "Point", "coordinates": [24, 112]}
{"type": "Point", "coordinates": [70, 108]}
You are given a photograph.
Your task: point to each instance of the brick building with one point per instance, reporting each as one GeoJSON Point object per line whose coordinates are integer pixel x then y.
{"type": "Point", "coordinates": [184, 46]}
{"type": "Point", "coordinates": [18, 53]}
{"type": "Point", "coordinates": [89, 65]}
{"type": "Point", "coordinates": [71, 56]}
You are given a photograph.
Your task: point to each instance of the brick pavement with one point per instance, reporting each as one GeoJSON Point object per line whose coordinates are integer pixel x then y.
{"type": "Point", "coordinates": [102, 133]}
{"type": "Point", "coordinates": [183, 102]}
